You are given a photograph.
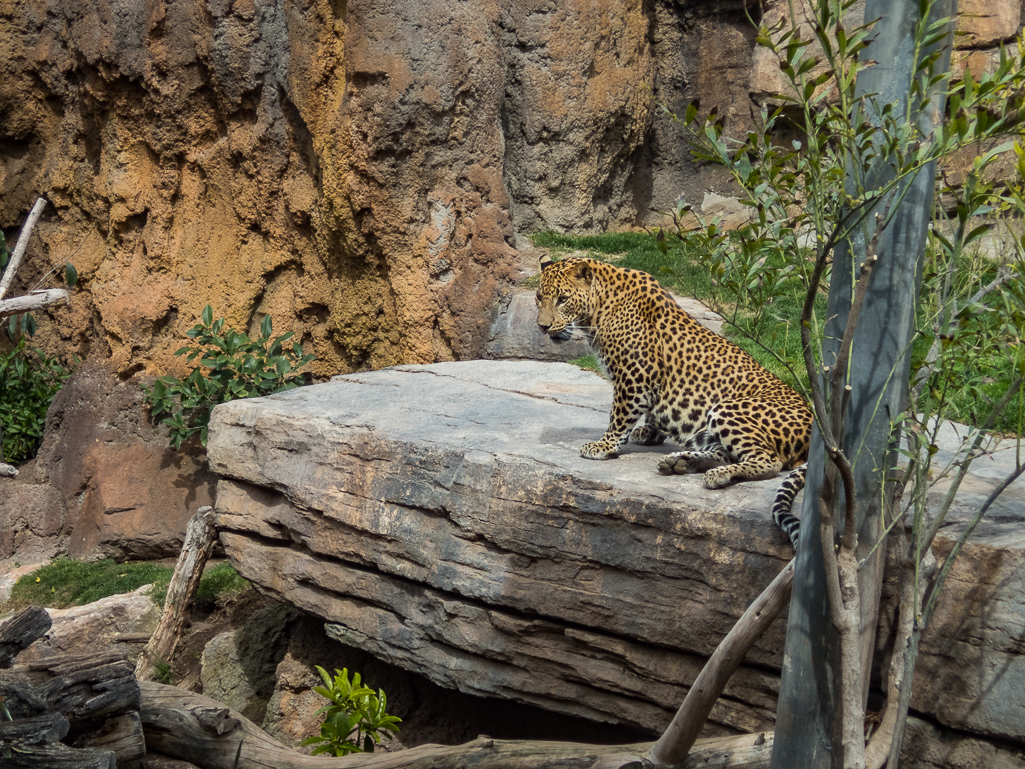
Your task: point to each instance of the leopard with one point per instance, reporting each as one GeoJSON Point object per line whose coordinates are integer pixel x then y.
{"type": "Point", "coordinates": [673, 378]}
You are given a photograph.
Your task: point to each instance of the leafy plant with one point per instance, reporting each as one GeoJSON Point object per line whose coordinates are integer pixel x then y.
{"type": "Point", "coordinates": [239, 367]}
{"type": "Point", "coordinates": [29, 380]}
{"type": "Point", "coordinates": [356, 718]}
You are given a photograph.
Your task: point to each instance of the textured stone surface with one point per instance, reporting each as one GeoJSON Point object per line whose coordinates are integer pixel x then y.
{"type": "Point", "coordinates": [338, 166]}
{"type": "Point", "coordinates": [987, 23]}
{"type": "Point", "coordinates": [356, 170]}
{"type": "Point", "coordinates": [441, 518]}
{"type": "Point", "coordinates": [94, 625]}
{"type": "Point", "coordinates": [125, 492]}
{"type": "Point", "coordinates": [459, 534]}
{"type": "Point", "coordinates": [238, 666]}
{"type": "Point", "coordinates": [32, 521]}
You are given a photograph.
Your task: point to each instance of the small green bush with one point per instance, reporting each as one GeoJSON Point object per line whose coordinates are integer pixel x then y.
{"type": "Point", "coordinates": [239, 367]}
{"type": "Point", "coordinates": [28, 382]}
{"type": "Point", "coordinates": [356, 718]}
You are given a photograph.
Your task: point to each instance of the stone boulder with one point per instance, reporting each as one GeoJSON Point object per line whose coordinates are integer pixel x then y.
{"type": "Point", "coordinates": [33, 522]}
{"type": "Point", "coordinates": [114, 483]}
{"type": "Point", "coordinates": [441, 518]}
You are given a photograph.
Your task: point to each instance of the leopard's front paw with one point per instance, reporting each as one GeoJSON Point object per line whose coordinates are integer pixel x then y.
{"type": "Point", "coordinates": [645, 435]}
{"type": "Point", "coordinates": [597, 450]}
{"type": "Point", "coordinates": [718, 478]}
{"type": "Point", "coordinates": [674, 464]}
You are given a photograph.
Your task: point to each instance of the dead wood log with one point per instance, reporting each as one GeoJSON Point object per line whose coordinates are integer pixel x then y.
{"type": "Point", "coordinates": [34, 300]}
{"type": "Point", "coordinates": [181, 593]}
{"type": "Point", "coordinates": [90, 693]}
{"type": "Point", "coordinates": [57, 756]}
{"type": "Point", "coordinates": [122, 735]}
{"type": "Point", "coordinates": [194, 728]}
{"type": "Point", "coordinates": [49, 727]}
{"type": "Point", "coordinates": [21, 631]}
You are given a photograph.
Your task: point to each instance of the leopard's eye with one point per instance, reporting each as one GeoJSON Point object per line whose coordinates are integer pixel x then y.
{"type": "Point", "coordinates": [562, 299]}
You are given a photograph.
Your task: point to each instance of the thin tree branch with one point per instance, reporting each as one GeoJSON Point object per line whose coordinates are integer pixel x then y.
{"type": "Point", "coordinates": [678, 738]}
{"type": "Point", "coordinates": [21, 246]}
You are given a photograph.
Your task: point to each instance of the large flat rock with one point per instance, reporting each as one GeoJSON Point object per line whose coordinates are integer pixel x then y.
{"type": "Point", "coordinates": [441, 518]}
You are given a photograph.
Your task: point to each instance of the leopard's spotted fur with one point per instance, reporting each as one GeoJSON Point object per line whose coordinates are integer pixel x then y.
{"type": "Point", "coordinates": [733, 419]}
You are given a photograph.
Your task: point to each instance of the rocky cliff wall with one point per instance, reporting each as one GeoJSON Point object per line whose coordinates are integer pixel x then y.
{"type": "Point", "coordinates": [356, 169]}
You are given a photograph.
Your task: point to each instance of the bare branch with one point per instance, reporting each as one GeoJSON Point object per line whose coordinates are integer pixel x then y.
{"type": "Point", "coordinates": [34, 301]}
{"type": "Point", "coordinates": [21, 246]}
{"type": "Point", "coordinates": [678, 738]}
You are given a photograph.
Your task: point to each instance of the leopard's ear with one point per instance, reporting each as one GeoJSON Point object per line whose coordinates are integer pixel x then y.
{"type": "Point", "coordinates": [545, 261]}
{"type": "Point", "coordinates": [582, 271]}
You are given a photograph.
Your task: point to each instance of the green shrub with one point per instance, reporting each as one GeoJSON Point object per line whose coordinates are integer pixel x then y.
{"type": "Point", "coordinates": [239, 367]}
{"type": "Point", "coordinates": [356, 718]}
{"type": "Point", "coordinates": [28, 382]}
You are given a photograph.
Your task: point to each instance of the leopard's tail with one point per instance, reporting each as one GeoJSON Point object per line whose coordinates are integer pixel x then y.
{"type": "Point", "coordinates": [784, 503]}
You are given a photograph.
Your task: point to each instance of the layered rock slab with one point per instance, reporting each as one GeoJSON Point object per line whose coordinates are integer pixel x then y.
{"type": "Point", "coordinates": [441, 518]}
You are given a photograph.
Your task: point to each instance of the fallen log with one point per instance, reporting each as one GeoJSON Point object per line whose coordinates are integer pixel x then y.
{"type": "Point", "coordinates": [91, 699]}
{"type": "Point", "coordinates": [195, 728]}
{"type": "Point", "coordinates": [21, 631]}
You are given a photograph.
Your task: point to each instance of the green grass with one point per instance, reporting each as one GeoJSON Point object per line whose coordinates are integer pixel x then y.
{"type": "Point", "coordinates": [66, 583]}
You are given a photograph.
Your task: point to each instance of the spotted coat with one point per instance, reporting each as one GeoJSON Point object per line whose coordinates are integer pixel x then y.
{"type": "Point", "coordinates": [733, 419]}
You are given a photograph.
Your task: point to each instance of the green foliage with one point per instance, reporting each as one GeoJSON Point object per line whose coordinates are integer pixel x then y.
{"type": "Point", "coordinates": [66, 583]}
{"type": "Point", "coordinates": [356, 718]}
{"type": "Point", "coordinates": [163, 672]}
{"type": "Point", "coordinates": [846, 157]}
{"type": "Point", "coordinates": [238, 367]}
{"type": "Point", "coordinates": [28, 382]}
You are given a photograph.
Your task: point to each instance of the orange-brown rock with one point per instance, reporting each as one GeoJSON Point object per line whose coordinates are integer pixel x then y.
{"type": "Point", "coordinates": [338, 167]}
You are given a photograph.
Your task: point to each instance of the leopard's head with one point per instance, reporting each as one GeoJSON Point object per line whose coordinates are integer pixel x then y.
{"type": "Point", "coordinates": [563, 296]}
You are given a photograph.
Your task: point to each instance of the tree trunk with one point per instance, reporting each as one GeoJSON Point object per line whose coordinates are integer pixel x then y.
{"type": "Point", "coordinates": [808, 722]}
{"type": "Point", "coordinates": [181, 592]}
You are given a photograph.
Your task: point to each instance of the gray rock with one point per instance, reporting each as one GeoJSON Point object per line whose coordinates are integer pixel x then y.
{"type": "Point", "coordinates": [238, 667]}
{"type": "Point", "coordinates": [441, 518]}
{"type": "Point", "coordinates": [515, 335]}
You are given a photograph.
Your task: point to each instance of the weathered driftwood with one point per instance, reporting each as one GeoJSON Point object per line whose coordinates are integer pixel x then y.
{"type": "Point", "coordinates": [59, 756]}
{"type": "Point", "coordinates": [181, 593]}
{"type": "Point", "coordinates": [122, 735]}
{"type": "Point", "coordinates": [194, 728]}
{"type": "Point", "coordinates": [86, 688]}
{"type": "Point", "coordinates": [20, 631]}
{"type": "Point", "coordinates": [21, 245]}
{"type": "Point", "coordinates": [34, 300]}
{"type": "Point", "coordinates": [92, 698]}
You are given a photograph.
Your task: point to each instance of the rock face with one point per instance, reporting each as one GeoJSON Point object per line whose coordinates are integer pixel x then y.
{"type": "Point", "coordinates": [440, 518]}
{"type": "Point", "coordinates": [115, 488]}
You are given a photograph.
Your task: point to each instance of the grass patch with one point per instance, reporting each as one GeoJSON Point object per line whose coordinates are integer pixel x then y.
{"type": "Point", "coordinates": [67, 583]}
{"type": "Point", "coordinates": [590, 363]}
